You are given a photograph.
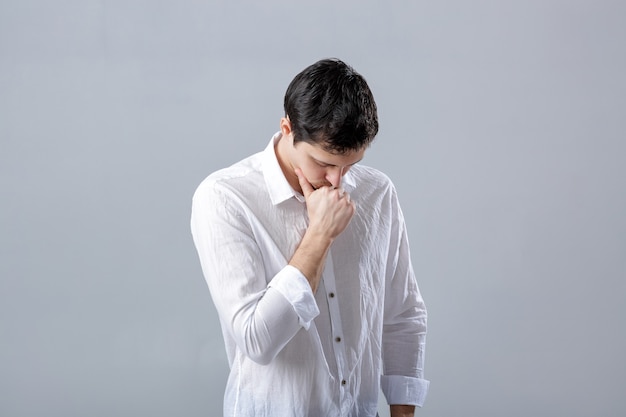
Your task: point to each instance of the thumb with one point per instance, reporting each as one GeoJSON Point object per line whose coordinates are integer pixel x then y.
{"type": "Point", "coordinates": [306, 186]}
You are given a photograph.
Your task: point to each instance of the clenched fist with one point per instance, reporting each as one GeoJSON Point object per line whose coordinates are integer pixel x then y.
{"type": "Point", "coordinates": [330, 209]}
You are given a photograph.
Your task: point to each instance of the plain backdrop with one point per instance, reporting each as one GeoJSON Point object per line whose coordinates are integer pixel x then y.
{"type": "Point", "coordinates": [502, 124]}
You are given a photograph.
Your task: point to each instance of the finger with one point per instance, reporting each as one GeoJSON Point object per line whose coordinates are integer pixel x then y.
{"type": "Point", "coordinates": [306, 186]}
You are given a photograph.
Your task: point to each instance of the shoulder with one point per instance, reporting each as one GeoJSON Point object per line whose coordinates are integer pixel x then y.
{"type": "Point", "coordinates": [369, 178]}
{"type": "Point", "coordinates": [242, 177]}
{"type": "Point", "coordinates": [373, 189]}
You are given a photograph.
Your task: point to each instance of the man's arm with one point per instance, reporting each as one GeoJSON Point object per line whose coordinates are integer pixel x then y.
{"type": "Point", "coordinates": [404, 324]}
{"type": "Point", "coordinates": [251, 306]}
{"type": "Point", "coordinates": [262, 317]}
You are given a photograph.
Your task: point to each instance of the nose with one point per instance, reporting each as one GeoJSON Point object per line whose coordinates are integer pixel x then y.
{"type": "Point", "coordinates": [334, 175]}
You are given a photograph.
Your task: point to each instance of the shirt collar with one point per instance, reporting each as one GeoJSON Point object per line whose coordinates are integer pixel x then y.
{"type": "Point", "coordinates": [277, 185]}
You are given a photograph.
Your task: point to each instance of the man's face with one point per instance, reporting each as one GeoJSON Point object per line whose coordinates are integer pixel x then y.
{"type": "Point", "coordinates": [320, 167]}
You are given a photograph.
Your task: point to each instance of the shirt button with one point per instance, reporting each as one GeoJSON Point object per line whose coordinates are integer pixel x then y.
{"type": "Point", "coordinates": [331, 295]}
{"type": "Point", "coordinates": [343, 382]}
{"type": "Point", "coordinates": [337, 339]}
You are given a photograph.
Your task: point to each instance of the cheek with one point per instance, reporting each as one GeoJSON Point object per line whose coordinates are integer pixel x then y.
{"type": "Point", "coordinates": [311, 170]}
{"type": "Point", "coordinates": [315, 174]}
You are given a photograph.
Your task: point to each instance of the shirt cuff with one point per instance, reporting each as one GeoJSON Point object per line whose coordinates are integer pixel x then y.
{"type": "Point", "coordinates": [404, 390]}
{"type": "Point", "coordinates": [294, 286]}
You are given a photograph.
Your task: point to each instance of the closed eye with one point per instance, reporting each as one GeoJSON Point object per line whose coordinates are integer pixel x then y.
{"type": "Point", "coordinates": [325, 165]}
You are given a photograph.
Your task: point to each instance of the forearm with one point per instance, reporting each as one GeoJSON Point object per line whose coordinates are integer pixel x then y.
{"type": "Point", "coordinates": [310, 256]}
{"type": "Point", "coordinates": [404, 349]}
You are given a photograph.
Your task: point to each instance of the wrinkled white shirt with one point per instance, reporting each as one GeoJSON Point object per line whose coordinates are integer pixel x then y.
{"type": "Point", "coordinates": [292, 352]}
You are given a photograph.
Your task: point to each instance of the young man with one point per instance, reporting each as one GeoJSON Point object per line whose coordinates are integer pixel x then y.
{"type": "Point", "coordinates": [306, 256]}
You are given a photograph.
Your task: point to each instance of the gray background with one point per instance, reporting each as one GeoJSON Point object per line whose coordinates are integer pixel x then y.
{"type": "Point", "coordinates": [502, 124]}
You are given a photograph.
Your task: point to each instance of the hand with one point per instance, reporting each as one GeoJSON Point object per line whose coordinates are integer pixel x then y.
{"type": "Point", "coordinates": [330, 209]}
{"type": "Point", "coordinates": [402, 410]}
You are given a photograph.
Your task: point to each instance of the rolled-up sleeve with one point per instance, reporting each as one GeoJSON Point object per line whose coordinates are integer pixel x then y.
{"type": "Point", "coordinates": [294, 286]}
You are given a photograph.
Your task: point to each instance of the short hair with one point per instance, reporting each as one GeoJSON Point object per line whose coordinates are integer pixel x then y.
{"type": "Point", "coordinates": [330, 104]}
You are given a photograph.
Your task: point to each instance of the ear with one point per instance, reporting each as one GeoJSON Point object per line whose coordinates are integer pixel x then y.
{"type": "Point", "coordinates": [285, 126]}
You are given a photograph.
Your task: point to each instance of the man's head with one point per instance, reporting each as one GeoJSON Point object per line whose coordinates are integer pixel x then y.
{"type": "Point", "coordinates": [330, 120]}
{"type": "Point", "coordinates": [330, 105]}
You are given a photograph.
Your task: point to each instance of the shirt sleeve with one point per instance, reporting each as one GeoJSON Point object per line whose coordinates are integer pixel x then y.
{"type": "Point", "coordinates": [404, 326]}
{"type": "Point", "coordinates": [261, 313]}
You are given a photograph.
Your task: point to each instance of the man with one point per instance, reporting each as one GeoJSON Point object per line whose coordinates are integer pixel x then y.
{"type": "Point", "coordinates": [306, 256]}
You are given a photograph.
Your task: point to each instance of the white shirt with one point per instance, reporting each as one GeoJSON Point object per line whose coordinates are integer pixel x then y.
{"type": "Point", "coordinates": [292, 352]}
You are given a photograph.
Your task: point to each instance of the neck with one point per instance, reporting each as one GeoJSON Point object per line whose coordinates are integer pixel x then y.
{"type": "Point", "coordinates": [282, 152]}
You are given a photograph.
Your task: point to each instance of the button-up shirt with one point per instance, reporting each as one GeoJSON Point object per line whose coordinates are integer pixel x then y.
{"type": "Point", "coordinates": [293, 352]}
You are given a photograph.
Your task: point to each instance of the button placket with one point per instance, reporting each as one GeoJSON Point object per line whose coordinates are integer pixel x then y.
{"type": "Point", "coordinates": [336, 329]}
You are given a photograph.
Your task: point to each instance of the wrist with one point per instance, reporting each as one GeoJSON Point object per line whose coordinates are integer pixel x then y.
{"type": "Point", "coordinates": [318, 237]}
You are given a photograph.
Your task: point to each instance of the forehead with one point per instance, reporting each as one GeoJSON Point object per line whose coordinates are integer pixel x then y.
{"type": "Point", "coordinates": [320, 154]}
